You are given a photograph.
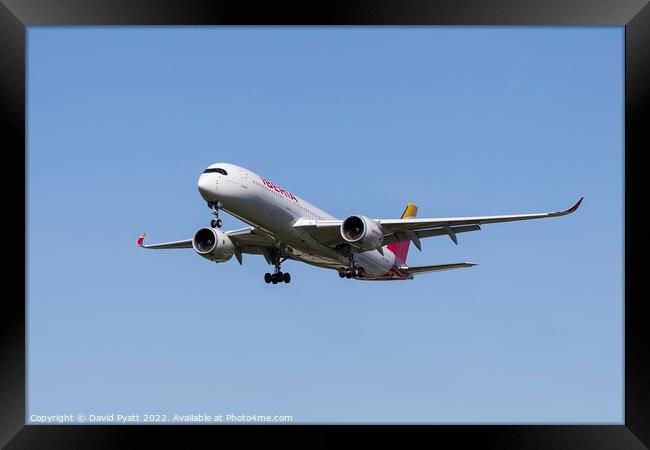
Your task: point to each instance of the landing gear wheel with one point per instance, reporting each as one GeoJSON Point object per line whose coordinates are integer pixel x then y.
{"type": "Point", "coordinates": [361, 272]}
{"type": "Point", "coordinates": [348, 274]}
{"type": "Point", "coordinates": [274, 278]}
{"type": "Point", "coordinates": [286, 277]}
{"type": "Point", "coordinates": [216, 223]}
{"type": "Point", "coordinates": [267, 278]}
{"type": "Point", "coordinates": [342, 273]}
{"type": "Point", "coordinates": [354, 271]}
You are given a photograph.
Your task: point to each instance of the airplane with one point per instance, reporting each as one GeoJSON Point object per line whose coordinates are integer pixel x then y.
{"type": "Point", "coordinates": [283, 226]}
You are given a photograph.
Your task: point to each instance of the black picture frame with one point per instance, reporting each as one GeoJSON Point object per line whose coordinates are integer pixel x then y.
{"type": "Point", "coordinates": [634, 15]}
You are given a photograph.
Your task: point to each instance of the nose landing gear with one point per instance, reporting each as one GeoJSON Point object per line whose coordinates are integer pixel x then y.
{"type": "Point", "coordinates": [216, 222]}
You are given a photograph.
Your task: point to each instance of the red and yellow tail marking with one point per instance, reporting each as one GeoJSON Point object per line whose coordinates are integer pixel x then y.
{"type": "Point", "coordinates": [401, 249]}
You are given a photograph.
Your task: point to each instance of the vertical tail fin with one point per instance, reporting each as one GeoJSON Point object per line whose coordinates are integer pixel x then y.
{"type": "Point", "coordinates": [401, 249]}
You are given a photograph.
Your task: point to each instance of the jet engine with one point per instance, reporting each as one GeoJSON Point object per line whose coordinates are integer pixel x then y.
{"type": "Point", "coordinates": [362, 232]}
{"type": "Point", "coordinates": [213, 244]}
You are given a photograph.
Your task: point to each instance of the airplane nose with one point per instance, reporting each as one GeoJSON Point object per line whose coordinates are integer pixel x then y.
{"type": "Point", "coordinates": [205, 186]}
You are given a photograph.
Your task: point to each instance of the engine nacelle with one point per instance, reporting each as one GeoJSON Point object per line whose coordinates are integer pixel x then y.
{"type": "Point", "coordinates": [363, 232]}
{"type": "Point", "coordinates": [213, 244]}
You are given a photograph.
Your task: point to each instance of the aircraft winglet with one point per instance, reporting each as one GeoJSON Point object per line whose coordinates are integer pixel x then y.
{"type": "Point", "coordinates": [141, 240]}
{"type": "Point", "coordinates": [572, 209]}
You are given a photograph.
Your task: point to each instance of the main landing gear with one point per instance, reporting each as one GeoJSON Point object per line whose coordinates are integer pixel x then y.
{"type": "Point", "coordinates": [352, 271]}
{"type": "Point", "coordinates": [216, 222]}
{"type": "Point", "coordinates": [277, 276]}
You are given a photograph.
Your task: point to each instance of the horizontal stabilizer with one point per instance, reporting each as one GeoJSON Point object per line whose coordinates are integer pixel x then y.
{"type": "Point", "coordinates": [436, 268]}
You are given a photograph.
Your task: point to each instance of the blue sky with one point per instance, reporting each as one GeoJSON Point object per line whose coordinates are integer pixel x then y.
{"type": "Point", "coordinates": [460, 121]}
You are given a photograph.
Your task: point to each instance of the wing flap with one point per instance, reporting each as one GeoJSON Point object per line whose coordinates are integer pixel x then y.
{"type": "Point", "coordinates": [428, 232]}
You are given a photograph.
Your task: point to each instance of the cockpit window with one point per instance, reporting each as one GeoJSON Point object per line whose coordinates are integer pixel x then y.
{"type": "Point", "coordinates": [217, 170]}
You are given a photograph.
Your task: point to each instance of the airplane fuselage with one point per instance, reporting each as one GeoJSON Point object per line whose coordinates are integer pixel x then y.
{"type": "Point", "coordinates": [269, 207]}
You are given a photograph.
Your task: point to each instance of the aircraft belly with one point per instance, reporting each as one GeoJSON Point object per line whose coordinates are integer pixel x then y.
{"type": "Point", "coordinates": [315, 259]}
{"type": "Point", "coordinates": [375, 264]}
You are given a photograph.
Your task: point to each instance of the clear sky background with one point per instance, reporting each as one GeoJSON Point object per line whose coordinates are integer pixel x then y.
{"type": "Point", "coordinates": [460, 121]}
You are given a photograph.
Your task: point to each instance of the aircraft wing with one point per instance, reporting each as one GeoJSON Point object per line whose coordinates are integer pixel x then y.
{"type": "Point", "coordinates": [252, 241]}
{"type": "Point", "coordinates": [249, 236]}
{"type": "Point", "coordinates": [246, 240]}
{"type": "Point", "coordinates": [395, 230]}
{"type": "Point", "coordinates": [187, 243]}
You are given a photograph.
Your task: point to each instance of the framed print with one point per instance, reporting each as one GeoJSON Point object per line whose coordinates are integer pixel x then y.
{"type": "Point", "coordinates": [208, 124]}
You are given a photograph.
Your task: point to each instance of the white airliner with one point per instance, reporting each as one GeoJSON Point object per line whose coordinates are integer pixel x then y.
{"type": "Point", "coordinates": [284, 226]}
